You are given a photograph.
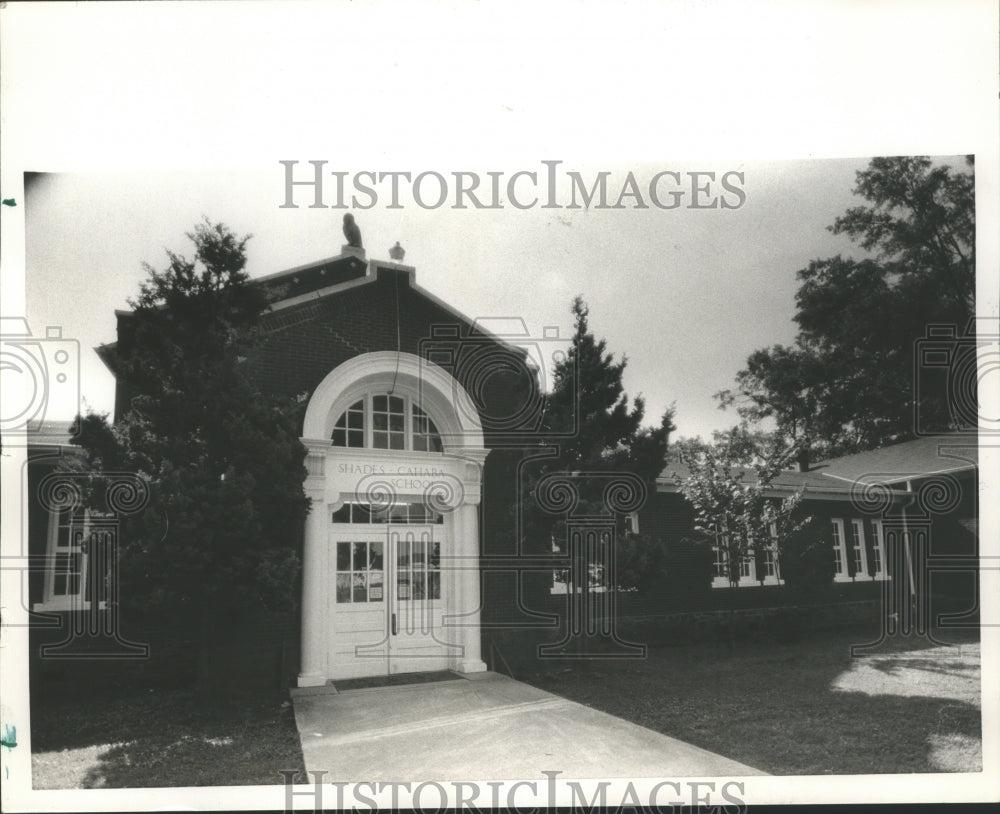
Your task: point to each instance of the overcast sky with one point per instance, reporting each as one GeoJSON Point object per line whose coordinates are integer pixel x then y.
{"type": "Point", "coordinates": [145, 117]}
{"type": "Point", "coordinates": [686, 294]}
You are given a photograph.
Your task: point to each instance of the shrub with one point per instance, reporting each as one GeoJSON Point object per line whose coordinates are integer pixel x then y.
{"type": "Point", "coordinates": [807, 563]}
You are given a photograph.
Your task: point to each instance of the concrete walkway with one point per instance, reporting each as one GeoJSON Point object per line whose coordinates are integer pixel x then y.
{"type": "Point", "coordinates": [488, 727]}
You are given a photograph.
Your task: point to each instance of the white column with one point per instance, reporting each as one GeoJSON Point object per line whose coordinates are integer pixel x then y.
{"type": "Point", "coordinates": [453, 562]}
{"type": "Point", "coordinates": [469, 595]}
{"type": "Point", "coordinates": [314, 582]}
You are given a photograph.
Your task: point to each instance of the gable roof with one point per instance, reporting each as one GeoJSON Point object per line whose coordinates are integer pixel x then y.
{"type": "Point", "coordinates": [784, 483]}
{"type": "Point", "coordinates": [909, 460]}
{"type": "Point", "coordinates": [325, 278]}
{"type": "Point", "coordinates": [891, 465]}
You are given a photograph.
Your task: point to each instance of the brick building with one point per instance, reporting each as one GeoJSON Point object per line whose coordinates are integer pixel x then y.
{"type": "Point", "coordinates": [416, 421]}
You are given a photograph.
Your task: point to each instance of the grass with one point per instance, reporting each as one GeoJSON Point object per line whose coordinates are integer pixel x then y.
{"type": "Point", "coordinates": [802, 708]}
{"type": "Point", "coordinates": [160, 738]}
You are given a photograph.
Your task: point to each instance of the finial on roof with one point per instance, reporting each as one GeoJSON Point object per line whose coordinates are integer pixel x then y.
{"type": "Point", "coordinates": [397, 253]}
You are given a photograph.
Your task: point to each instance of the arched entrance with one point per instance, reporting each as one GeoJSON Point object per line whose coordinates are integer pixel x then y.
{"type": "Point", "coordinates": [391, 550]}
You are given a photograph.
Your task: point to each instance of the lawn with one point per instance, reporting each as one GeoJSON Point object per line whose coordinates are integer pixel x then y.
{"type": "Point", "coordinates": [160, 738]}
{"type": "Point", "coordinates": [802, 708]}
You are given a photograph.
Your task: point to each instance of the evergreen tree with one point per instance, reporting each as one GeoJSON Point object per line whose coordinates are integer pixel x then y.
{"type": "Point", "coordinates": [223, 463]}
{"type": "Point", "coordinates": [593, 431]}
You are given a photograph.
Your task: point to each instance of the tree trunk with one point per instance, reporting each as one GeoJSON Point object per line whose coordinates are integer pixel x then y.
{"type": "Point", "coordinates": [732, 624]}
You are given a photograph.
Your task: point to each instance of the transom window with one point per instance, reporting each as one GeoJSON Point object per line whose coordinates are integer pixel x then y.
{"type": "Point", "coordinates": [384, 421]}
{"type": "Point", "coordinates": [404, 513]}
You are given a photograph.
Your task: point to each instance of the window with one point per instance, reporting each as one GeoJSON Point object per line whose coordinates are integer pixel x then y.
{"type": "Point", "coordinates": [388, 424]}
{"type": "Point", "coordinates": [384, 421]}
{"type": "Point", "coordinates": [772, 569]}
{"type": "Point", "coordinates": [770, 564]}
{"type": "Point", "coordinates": [858, 549]}
{"type": "Point", "coordinates": [78, 543]}
{"type": "Point", "coordinates": [349, 431]}
{"type": "Point", "coordinates": [401, 512]}
{"type": "Point", "coordinates": [425, 434]}
{"type": "Point", "coordinates": [865, 540]}
{"type": "Point", "coordinates": [418, 569]}
{"type": "Point", "coordinates": [878, 549]}
{"type": "Point", "coordinates": [359, 572]}
{"type": "Point", "coordinates": [588, 553]}
{"type": "Point", "coordinates": [839, 551]}
{"type": "Point", "coordinates": [747, 567]}
{"type": "Point", "coordinates": [719, 578]}
{"type": "Point", "coordinates": [632, 523]}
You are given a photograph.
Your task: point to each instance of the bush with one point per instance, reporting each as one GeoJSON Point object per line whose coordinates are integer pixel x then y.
{"type": "Point", "coordinates": [689, 567]}
{"type": "Point", "coordinates": [807, 563]}
{"type": "Point", "coordinates": [641, 561]}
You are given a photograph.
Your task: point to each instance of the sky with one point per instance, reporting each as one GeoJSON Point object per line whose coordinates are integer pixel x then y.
{"type": "Point", "coordinates": [686, 294]}
{"type": "Point", "coordinates": [146, 116]}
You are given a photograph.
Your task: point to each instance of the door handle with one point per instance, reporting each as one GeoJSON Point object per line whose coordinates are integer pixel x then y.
{"type": "Point", "coordinates": [394, 624]}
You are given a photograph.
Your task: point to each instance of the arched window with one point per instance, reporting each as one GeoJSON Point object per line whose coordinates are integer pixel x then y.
{"type": "Point", "coordinates": [349, 431]}
{"type": "Point", "coordinates": [383, 421]}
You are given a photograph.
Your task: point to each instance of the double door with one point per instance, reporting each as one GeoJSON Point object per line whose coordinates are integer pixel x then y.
{"type": "Point", "coordinates": [387, 600]}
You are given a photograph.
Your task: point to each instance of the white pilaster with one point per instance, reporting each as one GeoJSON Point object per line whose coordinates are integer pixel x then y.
{"type": "Point", "coordinates": [469, 633]}
{"type": "Point", "coordinates": [314, 576]}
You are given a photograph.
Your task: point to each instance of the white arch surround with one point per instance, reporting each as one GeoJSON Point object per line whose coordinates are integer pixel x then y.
{"type": "Point", "coordinates": [432, 387]}
{"type": "Point", "coordinates": [333, 477]}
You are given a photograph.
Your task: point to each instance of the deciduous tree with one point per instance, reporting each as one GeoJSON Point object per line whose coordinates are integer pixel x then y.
{"type": "Point", "coordinates": [850, 380]}
{"type": "Point", "coordinates": [727, 487]}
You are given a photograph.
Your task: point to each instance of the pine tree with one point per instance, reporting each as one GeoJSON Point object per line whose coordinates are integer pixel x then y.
{"type": "Point", "coordinates": [592, 430]}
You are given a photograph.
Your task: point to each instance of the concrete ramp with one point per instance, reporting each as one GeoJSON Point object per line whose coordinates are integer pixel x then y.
{"type": "Point", "coordinates": [488, 727]}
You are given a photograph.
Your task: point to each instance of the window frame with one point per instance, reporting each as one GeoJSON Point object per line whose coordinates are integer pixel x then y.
{"type": "Point", "coordinates": [771, 555]}
{"type": "Point", "coordinates": [748, 579]}
{"type": "Point", "coordinates": [51, 601]}
{"type": "Point", "coordinates": [353, 571]}
{"type": "Point", "coordinates": [385, 515]}
{"type": "Point", "coordinates": [840, 550]}
{"type": "Point", "coordinates": [632, 523]}
{"type": "Point", "coordinates": [879, 549]}
{"type": "Point", "coordinates": [861, 530]}
{"type": "Point", "coordinates": [413, 412]}
{"type": "Point", "coordinates": [858, 548]}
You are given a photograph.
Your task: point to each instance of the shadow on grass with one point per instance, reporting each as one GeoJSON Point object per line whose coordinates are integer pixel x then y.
{"type": "Point", "coordinates": [162, 738]}
{"type": "Point", "coordinates": [942, 665]}
{"type": "Point", "coordinates": [777, 707]}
